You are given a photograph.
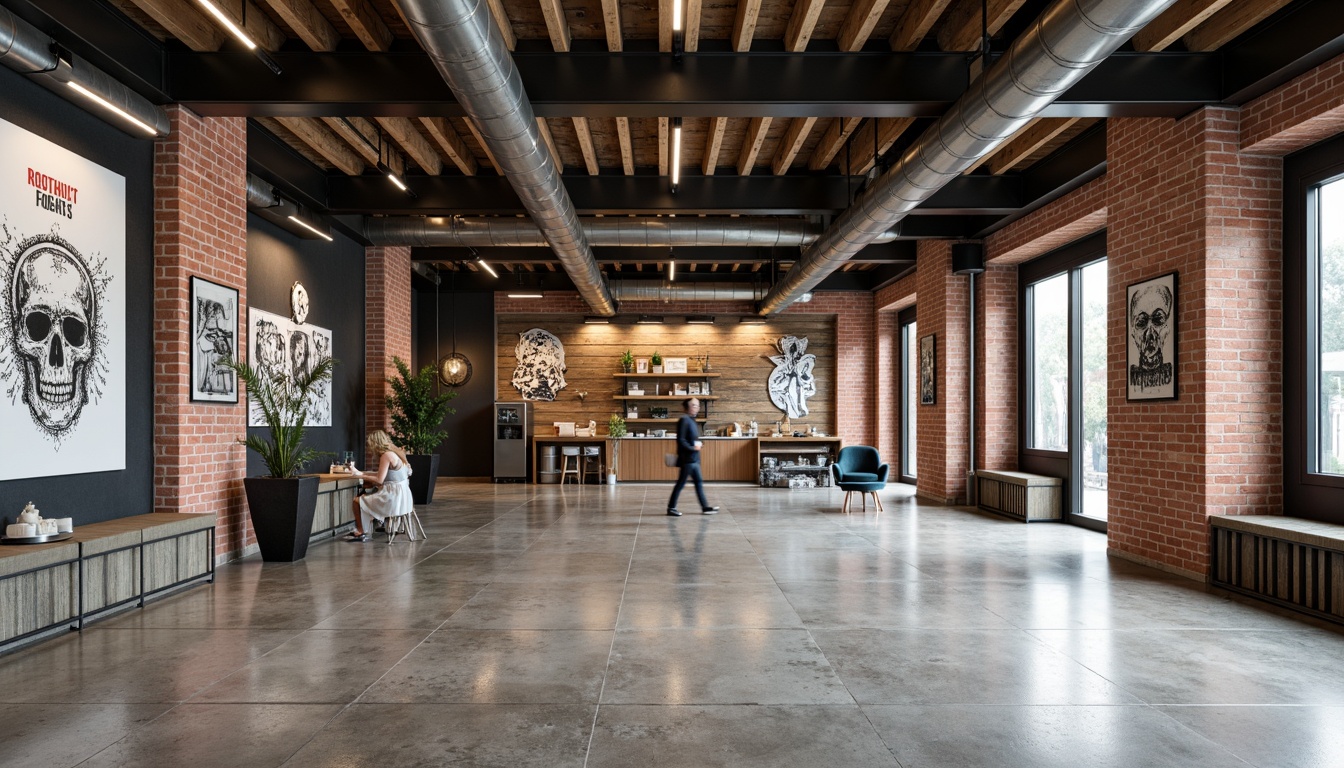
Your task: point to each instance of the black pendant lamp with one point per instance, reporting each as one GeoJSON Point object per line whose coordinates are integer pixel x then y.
{"type": "Point", "coordinates": [454, 368]}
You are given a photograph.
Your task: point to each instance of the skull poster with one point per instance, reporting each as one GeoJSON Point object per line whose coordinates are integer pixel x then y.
{"type": "Point", "coordinates": [62, 311]}
{"type": "Point", "coordinates": [282, 348]}
{"type": "Point", "coordinates": [792, 382]}
{"type": "Point", "coordinates": [540, 374]}
{"type": "Point", "coordinates": [1150, 318]}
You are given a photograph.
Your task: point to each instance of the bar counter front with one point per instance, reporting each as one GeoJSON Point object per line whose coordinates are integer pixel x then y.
{"type": "Point", "coordinates": [736, 459]}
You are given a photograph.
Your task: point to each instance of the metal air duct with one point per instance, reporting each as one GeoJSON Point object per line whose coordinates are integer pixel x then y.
{"type": "Point", "coordinates": [469, 52]}
{"type": "Point", "coordinates": [260, 193]}
{"type": "Point", "coordinates": [652, 290]}
{"type": "Point", "coordinates": [648, 232]}
{"type": "Point", "coordinates": [1059, 48]}
{"type": "Point", "coordinates": [29, 51]}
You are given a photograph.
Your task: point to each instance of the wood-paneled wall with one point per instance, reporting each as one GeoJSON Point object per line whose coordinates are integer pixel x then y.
{"type": "Point", "coordinates": [740, 354]}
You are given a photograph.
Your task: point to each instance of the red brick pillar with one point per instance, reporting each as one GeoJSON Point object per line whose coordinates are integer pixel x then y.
{"type": "Point", "coordinates": [942, 310]}
{"type": "Point", "coordinates": [200, 228]}
{"type": "Point", "coordinates": [387, 326]}
{"type": "Point", "coordinates": [1184, 198]}
{"type": "Point", "coordinates": [996, 367]}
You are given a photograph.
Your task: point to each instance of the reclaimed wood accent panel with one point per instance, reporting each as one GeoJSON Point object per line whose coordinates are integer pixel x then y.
{"type": "Point", "coordinates": [173, 561]}
{"type": "Point", "coordinates": [1303, 577]}
{"type": "Point", "coordinates": [740, 354]}
{"type": "Point", "coordinates": [111, 578]}
{"type": "Point", "coordinates": [43, 598]}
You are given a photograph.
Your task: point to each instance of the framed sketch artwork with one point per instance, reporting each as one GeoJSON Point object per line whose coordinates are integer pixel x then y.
{"type": "Point", "coordinates": [1150, 349]}
{"type": "Point", "coordinates": [674, 364]}
{"type": "Point", "coordinates": [214, 338]}
{"type": "Point", "coordinates": [641, 365]}
{"type": "Point", "coordinates": [928, 370]}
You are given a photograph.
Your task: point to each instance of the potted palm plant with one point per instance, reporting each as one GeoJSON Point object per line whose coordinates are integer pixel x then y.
{"type": "Point", "coordinates": [281, 503]}
{"type": "Point", "coordinates": [417, 415]}
{"type": "Point", "coordinates": [615, 431]}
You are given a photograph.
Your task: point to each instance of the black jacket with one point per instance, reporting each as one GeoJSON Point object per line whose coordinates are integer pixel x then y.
{"type": "Point", "coordinates": [687, 434]}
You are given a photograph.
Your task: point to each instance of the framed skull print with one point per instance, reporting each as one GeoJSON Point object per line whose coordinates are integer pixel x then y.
{"type": "Point", "coordinates": [1150, 339]}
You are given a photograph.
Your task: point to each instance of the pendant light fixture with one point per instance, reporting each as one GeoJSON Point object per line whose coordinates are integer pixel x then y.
{"type": "Point", "coordinates": [455, 368]}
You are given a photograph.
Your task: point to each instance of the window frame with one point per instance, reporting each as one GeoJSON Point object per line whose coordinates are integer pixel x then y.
{"type": "Point", "coordinates": [909, 444]}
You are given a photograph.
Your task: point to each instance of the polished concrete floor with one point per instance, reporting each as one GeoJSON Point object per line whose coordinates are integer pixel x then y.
{"type": "Point", "coordinates": [541, 626]}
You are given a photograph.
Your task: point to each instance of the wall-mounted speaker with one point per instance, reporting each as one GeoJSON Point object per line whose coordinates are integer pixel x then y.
{"type": "Point", "coordinates": [968, 258]}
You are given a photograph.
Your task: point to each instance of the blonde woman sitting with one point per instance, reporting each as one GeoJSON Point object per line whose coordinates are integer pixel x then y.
{"type": "Point", "coordinates": [393, 497]}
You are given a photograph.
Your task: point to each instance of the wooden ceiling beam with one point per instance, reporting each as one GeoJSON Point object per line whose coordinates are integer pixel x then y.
{"type": "Point", "coordinates": [858, 26]}
{"type": "Point", "coordinates": [831, 142]}
{"type": "Point", "coordinates": [744, 24]}
{"type": "Point", "coordinates": [480, 141]}
{"type": "Point", "coordinates": [585, 137]}
{"type": "Point", "coordinates": [363, 136]}
{"type": "Point", "coordinates": [184, 22]}
{"type": "Point", "coordinates": [799, 128]}
{"type": "Point", "coordinates": [307, 22]}
{"type": "Point", "coordinates": [691, 22]}
{"type": "Point", "coordinates": [961, 29]}
{"type": "Point", "coordinates": [713, 144]}
{"type": "Point", "coordinates": [550, 144]}
{"type": "Point", "coordinates": [1175, 23]}
{"type": "Point", "coordinates": [802, 23]}
{"type": "Point", "coordinates": [611, 21]}
{"type": "Point", "coordinates": [1037, 134]}
{"type": "Point", "coordinates": [627, 147]}
{"type": "Point", "coordinates": [916, 22]}
{"type": "Point", "coordinates": [889, 129]}
{"type": "Point", "coordinates": [501, 18]}
{"type": "Point", "coordinates": [1231, 22]}
{"type": "Point", "coordinates": [325, 143]}
{"type": "Point", "coordinates": [450, 143]}
{"type": "Point", "coordinates": [556, 25]}
{"type": "Point", "coordinates": [365, 22]}
{"type": "Point", "coordinates": [664, 149]}
{"type": "Point", "coordinates": [751, 144]}
{"type": "Point", "coordinates": [404, 133]}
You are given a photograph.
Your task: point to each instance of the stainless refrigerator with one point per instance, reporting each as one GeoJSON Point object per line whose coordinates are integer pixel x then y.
{"type": "Point", "coordinates": [513, 427]}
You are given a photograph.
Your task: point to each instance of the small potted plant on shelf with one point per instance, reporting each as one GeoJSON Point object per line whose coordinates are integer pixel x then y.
{"type": "Point", "coordinates": [281, 503]}
{"type": "Point", "coordinates": [615, 430]}
{"type": "Point", "coordinates": [627, 362]}
{"type": "Point", "coordinates": [417, 424]}
{"type": "Point", "coordinates": [657, 361]}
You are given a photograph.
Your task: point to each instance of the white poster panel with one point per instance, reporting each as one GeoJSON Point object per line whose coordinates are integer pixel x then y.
{"type": "Point", "coordinates": [62, 311]}
{"type": "Point", "coordinates": [285, 349]}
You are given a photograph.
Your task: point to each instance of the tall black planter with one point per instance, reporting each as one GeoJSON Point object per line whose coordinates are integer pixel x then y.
{"type": "Point", "coordinates": [424, 471]}
{"type": "Point", "coordinates": [282, 515]}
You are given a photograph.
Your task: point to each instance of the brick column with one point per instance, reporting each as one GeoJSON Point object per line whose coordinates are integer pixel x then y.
{"type": "Point", "coordinates": [1184, 198]}
{"type": "Point", "coordinates": [996, 368]}
{"type": "Point", "coordinates": [942, 310]}
{"type": "Point", "coordinates": [200, 228]}
{"type": "Point", "coordinates": [387, 326]}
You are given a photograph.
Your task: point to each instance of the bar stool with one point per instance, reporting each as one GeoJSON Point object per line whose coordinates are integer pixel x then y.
{"type": "Point", "coordinates": [592, 464]}
{"type": "Point", "coordinates": [568, 454]}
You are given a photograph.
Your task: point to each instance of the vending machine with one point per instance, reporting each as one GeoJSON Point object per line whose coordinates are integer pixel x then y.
{"type": "Point", "coordinates": [512, 430]}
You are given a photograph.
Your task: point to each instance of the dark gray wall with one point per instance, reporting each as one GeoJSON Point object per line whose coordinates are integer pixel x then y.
{"type": "Point", "coordinates": [468, 450]}
{"type": "Point", "coordinates": [333, 273]}
{"type": "Point", "coordinates": [95, 497]}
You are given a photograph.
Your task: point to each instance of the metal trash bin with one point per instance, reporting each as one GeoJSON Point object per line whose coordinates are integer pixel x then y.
{"type": "Point", "coordinates": [549, 471]}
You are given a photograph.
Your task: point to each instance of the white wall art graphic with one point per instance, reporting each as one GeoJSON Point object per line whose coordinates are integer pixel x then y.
{"type": "Point", "coordinates": [540, 374]}
{"type": "Point", "coordinates": [792, 383]}
{"type": "Point", "coordinates": [62, 311]}
{"type": "Point", "coordinates": [285, 349]}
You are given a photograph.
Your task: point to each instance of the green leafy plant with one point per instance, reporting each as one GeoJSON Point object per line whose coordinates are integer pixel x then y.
{"type": "Point", "coordinates": [627, 360]}
{"type": "Point", "coordinates": [417, 413]}
{"type": "Point", "coordinates": [657, 359]}
{"type": "Point", "coordinates": [284, 406]}
{"type": "Point", "coordinates": [616, 426]}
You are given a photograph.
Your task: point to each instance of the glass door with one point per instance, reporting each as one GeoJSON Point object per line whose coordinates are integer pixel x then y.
{"type": "Point", "coordinates": [909, 378]}
{"type": "Point", "coordinates": [1090, 462]}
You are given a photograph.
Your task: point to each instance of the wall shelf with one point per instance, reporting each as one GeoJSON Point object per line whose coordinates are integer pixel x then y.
{"type": "Point", "coordinates": [669, 420]}
{"type": "Point", "coordinates": [663, 397]}
{"type": "Point", "coordinates": [665, 375]}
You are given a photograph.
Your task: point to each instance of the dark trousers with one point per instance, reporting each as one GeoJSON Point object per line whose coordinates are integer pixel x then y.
{"type": "Point", "coordinates": [691, 470]}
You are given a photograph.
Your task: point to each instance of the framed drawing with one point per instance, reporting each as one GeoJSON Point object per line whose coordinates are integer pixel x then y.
{"type": "Point", "coordinates": [214, 338]}
{"type": "Point", "coordinates": [695, 387]}
{"type": "Point", "coordinates": [1150, 317]}
{"type": "Point", "coordinates": [674, 364]}
{"type": "Point", "coordinates": [928, 370]}
{"type": "Point", "coordinates": [641, 365]}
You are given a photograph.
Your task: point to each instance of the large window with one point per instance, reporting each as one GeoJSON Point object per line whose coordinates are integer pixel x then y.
{"type": "Point", "coordinates": [1048, 350]}
{"type": "Point", "coordinates": [1325, 332]}
{"type": "Point", "coordinates": [909, 395]}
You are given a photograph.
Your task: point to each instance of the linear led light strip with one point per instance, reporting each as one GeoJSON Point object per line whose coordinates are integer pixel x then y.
{"type": "Point", "coordinates": [310, 228]}
{"type": "Point", "coordinates": [105, 104]}
{"type": "Point", "coordinates": [487, 268]}
{"type": "Point", "coordinates": [228, 24]}
{"type": "Point", "coordinates": [676, 151]}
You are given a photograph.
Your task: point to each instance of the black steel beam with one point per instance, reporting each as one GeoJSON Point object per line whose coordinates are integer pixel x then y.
{"type": "Point", "coordinates": [273, 160]}
{"type": "Point", "coordinates": [898, 252]}
{"type": "Point", "coordinates": [618, 195]}
{"type": "Point", "coordinates": [1301, 36]}
{"type": "Point", "coordinates": [1065, 170]}
{"type": "Point", "coordinates": [654, 85]}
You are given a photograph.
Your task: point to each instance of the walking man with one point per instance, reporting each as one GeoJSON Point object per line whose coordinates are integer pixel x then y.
{"type": "Point", "coordinates": [688, 459]}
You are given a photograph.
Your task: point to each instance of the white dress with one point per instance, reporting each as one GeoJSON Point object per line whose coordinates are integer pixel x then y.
{"type": "Point", "coordinates": [394, 499]}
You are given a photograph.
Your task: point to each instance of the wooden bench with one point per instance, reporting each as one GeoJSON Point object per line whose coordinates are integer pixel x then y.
{"type": "Point", "coordinates": [101, 568]}
{"type": "Point", "coordinates": [1020, 495]}
{"type": "Point", "coordinates": [1290, 561]}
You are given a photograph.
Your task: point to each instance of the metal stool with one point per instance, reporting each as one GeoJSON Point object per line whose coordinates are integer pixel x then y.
{"type": "Point", "coordinates": [408, 524]}
{"type": "Point", "coordinates": [570, 453]}
{"type": "Point", "coordinates": [591, 464]}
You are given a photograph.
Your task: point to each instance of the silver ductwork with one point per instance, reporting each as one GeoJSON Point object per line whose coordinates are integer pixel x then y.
{"type": "Point", "coordinates": [1059, 48]}
{"type": "Point", "coordinates": [27, 50]}
{"type": "Point", "coordinates": [469, 52]}
{"type": "Point", "coordinates": [647, 290]}
{"type": "Point", "coordinates": [635, 232]}
{"type": "Point", "coordinates": [260, 193]}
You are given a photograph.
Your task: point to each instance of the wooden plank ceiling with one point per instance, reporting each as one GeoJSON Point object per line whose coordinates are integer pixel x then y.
{"type": "Point", "coordinates": [712, 146]}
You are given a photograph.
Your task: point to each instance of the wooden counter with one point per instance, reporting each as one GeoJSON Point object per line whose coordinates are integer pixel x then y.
{"type": "Point", "coordinates": [722, 458]}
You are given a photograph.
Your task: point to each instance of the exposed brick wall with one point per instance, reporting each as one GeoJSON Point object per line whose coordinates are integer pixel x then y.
{"type": "Point", "coordinates": [387, 327]}
{"type": "Point", "coordinates": [996, 405]}
{"type": "Point", "coordinates": [1308, 109]}
{"type": "Point", "coordinates": [854, 332]}
{"type": "Point", "coordinates": [1069, 218]}
{"type": "Point", "coordinates": [1185, 199]}
{"type": "Point", "coordinates": [200, 229]}
{"type": "Point", "coordinates": [942, 310]}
